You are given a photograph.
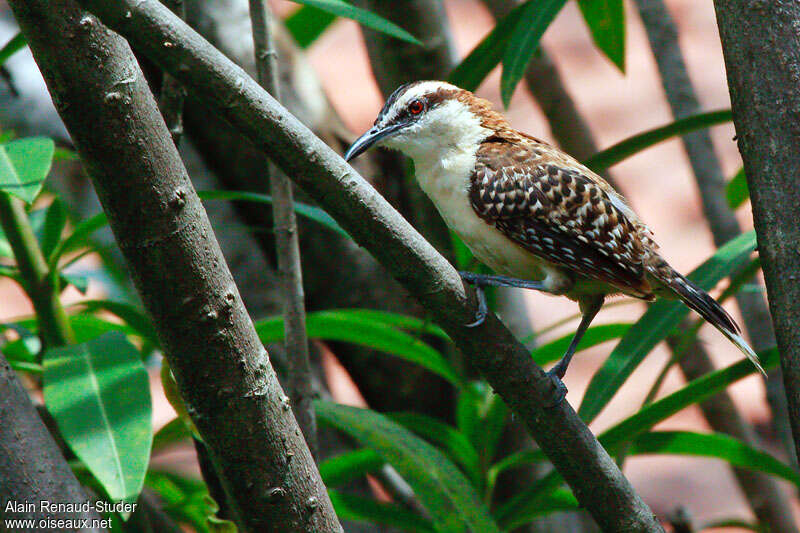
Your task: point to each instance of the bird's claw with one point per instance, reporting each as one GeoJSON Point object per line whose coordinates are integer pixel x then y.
{"type": "Point", "coordinates": [559, 389]}
{"type": "Point", "coordinates": [483, 308]}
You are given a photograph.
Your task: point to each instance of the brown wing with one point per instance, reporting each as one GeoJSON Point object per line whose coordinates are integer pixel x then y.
{"type": "Point", "coordinates": [558, 214]}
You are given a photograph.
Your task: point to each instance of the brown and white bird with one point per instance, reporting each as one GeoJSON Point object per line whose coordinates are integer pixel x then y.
{"type": "Point", "coordinates": [535, 215]}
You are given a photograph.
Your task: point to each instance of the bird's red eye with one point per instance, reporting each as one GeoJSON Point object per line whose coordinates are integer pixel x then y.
{"type": "Point", "coordinates": [415, 107]}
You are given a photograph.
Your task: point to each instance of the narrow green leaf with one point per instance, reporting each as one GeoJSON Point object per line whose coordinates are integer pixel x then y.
{"type": "Point", "coordinates": [307, 23]}
{"type": "Point", "coordinates": [363, 17]}
{"type": "Point", "coordinates": [79, 282]}
{"type": "Point", "coordinates": [88, 327]}
{"type": "Point", "coordinates": [735, 523]}
{"type": "Point", "coordinates": [474, 68]}
{"type": "Point", "coordinates": [655, 325]}
{"type": "Point", "coordinates": [558, 500]}
{"type": "Point", "coordinates": [174, 432]}
{"type": "Point", "coordinates": [606, 21]}
{"type": "Point", "coordinates": [412, 324]}
{"type": "Point", "coordinates": [736, 191]}
{"type": "Point", "coordinates": [452, 442]}
{"type": "Point", "coordinates": [311, 212]}
{"type": "Point", "coordinates": [632, 145]}
{"type": "Point", "coordinates": [13, 46]}
{"type": "Point", "coordinates": [54, 221]}
{"type": "Point", "coordinates": [359, 509]}
{"type": "Point", "coordinates": [349, 466]}
{"type": "Point", "coordinates": [341, 325]}
{"type": "Point", "coordinates": [438, 484]}
{"type": "Point", "coordinates": [133, 316]}
{"type": "Point", "coordinates": [24, 165]}
{"type": "Point", "coordinates": [716, 445]}
{"type": "Point", "coordinates": [184, 498]}
{"type": "Point", "coordinates": [79, 238]}
{"type": "Point", "coordinates": [524, 42]}
{"type": "Point", "coordinates": [99, 395]}
{"type": "Point", "coordinates": [594, 336]}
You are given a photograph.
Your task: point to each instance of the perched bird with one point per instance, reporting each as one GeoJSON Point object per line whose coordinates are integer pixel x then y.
{"type": "Point", "coordinates": [536, 216]}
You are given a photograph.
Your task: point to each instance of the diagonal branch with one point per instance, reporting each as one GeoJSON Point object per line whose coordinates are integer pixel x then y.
{"type": "Point", "coordinates": [596, 481]}
{"type": "Point", "coordinates": [286, 243]}
{"type": "Point", "coordinates": [223, 372]}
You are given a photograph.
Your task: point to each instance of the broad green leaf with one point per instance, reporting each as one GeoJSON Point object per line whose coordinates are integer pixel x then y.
{"type": "Point", "coordinates": [736, 191]}
{"type": "Point", "coordinates": [363, 17]}
{"type": "Point", "coordinates": [175, 431]}
{"type": "Point", "coordinates": [629, 429]}
{"type": "Point", "coordinates": [558, 500]}
{"type": "Point", "coordinates": [13, 46]}
{"type": "Point", "coordinates": [438, 484]}
{"type": "Point", "coordinates": [606, 21]}
{"type": "Point", "coordinates": [524, 42]}
{"type": "Point", "coordinates": [487, 54]}
{"type": "Point", "coordinates": [659, 320]}
{"type": "Point", "coordinates": [449, 440]}
{"type": "Point", "coordinates": [360, 509]}
{"type": "Point", "coordinates": [311, 212]}
{"type": "Point", "coordinates": [99, 395]}
{"type": "Point", "coordinates": [24, 165]}
{"type": "Point", "coordinates": [341, 325]}
{"type": "Point", "coordinates": [307, 23]}
{"type": "Point", "coordinates": [547, 353]}
{"type": "Point", "coordinates": [717, 445]}
{"type": "Point", "coordinates": [632, 145]}
{"type": "Point", "coordinates": [349, 466]}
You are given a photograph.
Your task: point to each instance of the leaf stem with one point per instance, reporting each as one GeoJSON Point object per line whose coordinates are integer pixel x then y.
{"type": "Point", "coordinates": [41, 287]}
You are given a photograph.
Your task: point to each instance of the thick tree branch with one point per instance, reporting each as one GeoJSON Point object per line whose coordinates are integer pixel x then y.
{"type": "Point", "coordinates": [172, 93]}
{"type": "Point", "coordinates": [762, 57]}
{"type": "Point", "coordinates": [224, 87]}
{"type": "Point", "coordinates": [32, 467]}
{"type": "Point", "coordinates": [286, 243]}
{"type": "Point", "coordinates": [223, 372]}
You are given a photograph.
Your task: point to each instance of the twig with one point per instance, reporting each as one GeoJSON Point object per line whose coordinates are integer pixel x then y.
{"type": "Point", "coordinates": [761, 49]}
{"type": "Point", "coordinates": [286, 243]}
{"type": "Point", "coordinates": [173, 94]}
{"type": "Point", "coordinates": [372, 222]}
{"type": "Point", "coordinates": [222, 370]}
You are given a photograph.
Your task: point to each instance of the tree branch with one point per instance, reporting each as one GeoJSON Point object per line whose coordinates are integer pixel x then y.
{"type": "Point", "coordinates": [224, 87]}
{"type": "Point", "coordinates": [222, 371]}
{"type": "Point", "coordinates": [172, 93]}
{"type": "Point", "coordinates": [286, 243]}
{"type": "Point", "coordinates": [32, 468]}
{"type": "Point", "coordinates": [762, 57]}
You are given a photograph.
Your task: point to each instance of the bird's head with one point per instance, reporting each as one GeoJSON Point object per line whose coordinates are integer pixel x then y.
{"type": "Point", "coordinates": [426, 117]}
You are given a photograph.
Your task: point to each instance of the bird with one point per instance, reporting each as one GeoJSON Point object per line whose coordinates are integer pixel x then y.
{"type": "Point", "coordinates": [533, 214]}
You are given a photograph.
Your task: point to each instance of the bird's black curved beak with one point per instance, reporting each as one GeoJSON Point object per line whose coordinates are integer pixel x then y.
{"type": "Point", "coordinates": [372, 136]}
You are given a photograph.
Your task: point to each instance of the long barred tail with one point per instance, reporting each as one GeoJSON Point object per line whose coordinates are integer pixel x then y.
{"type": "Point", "coordinates": [699, 300]}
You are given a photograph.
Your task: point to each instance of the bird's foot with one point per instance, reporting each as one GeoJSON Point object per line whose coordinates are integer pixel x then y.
{"type": "Point", "coordinates": [559, 389]}
{"type": "Point", "coordinates": [483, 308]}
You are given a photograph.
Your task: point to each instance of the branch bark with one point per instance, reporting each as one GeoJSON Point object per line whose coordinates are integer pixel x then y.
{"type": "Point", "coordinates": [585, 465]}
{"type": "Point", "coordinates": [761, 47]}
{"type": "Point", "coordinates": [32, 468]}
{"type": "Point", "coordinates": [286, 243]}
{"type": "Point", "coordinates": [172, 93]}
{"type": "Point", "coordinates": [223, 372]}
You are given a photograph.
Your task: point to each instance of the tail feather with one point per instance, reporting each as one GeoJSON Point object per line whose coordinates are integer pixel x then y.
{"type": "Point", "coordinates": [699, 300]}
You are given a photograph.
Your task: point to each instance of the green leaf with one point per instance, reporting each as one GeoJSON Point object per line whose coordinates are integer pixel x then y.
{"type": "Point", "coordinates": [24, 165]}
{"type": "Point", "coordinates": [363, 17]}
{"type": "Point", "coordinates": [99, 395]}
{"type": "Point", "coordinates": [345, 326]}
{"type": "Point", "coordinates": [185, 499]}
{"type": "Point", "coordinates": [360, 509]}
{"type": "Point", "coordinates": [175, 431]}
{"type": "Point", "coordinates": [524, 42]}
{"type": "Point", "coordinates": [79, 282]}
{"type": "Point", "coordinates": [606, 21]}
{"type": "Point", "coordinates": [13, 46]}
{"type": "Point", "coordinates": [632, 145]}
{"type": "Point", "coordinates": [79, 238]}
{"type": "Point", "coordinates": [594, 336]}
{"type": "Point", "coordinates": [452, 442]}
{"type": "Point", "coordinates": [344, 468]}
{"type": "Point", "coordinates": [736, 191]}
{"type": "Point", "coordinates": [88, 327]}
{"type": "Point", "coordinates": [311, 212]}
{"type": "Point", "coordinates": [54, 221]}
{"type": "Point", "coordinates": [659, 320]}
{"type": "Point", "coordinates": [474, 68]}
{"type": "Point", "coordinates": [133, 316]}
{"type": "Point", "coordinates": [558, 500]}
{"type": "Point", "coordinates": [716, 445]}
{"type": "Point", "coordinates": [438, 484]}
{"type": "Point", "coordinates": [307, 24]}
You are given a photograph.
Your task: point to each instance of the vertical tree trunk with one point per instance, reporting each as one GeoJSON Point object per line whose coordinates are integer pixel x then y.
{"type": "Point", "coordinates": [761, 46]}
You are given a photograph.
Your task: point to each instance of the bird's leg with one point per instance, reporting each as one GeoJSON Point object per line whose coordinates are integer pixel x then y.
{"type": "Point", "coordinates": [589, 308]}
{"type": "Point", "coordinates": [479, 281]}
